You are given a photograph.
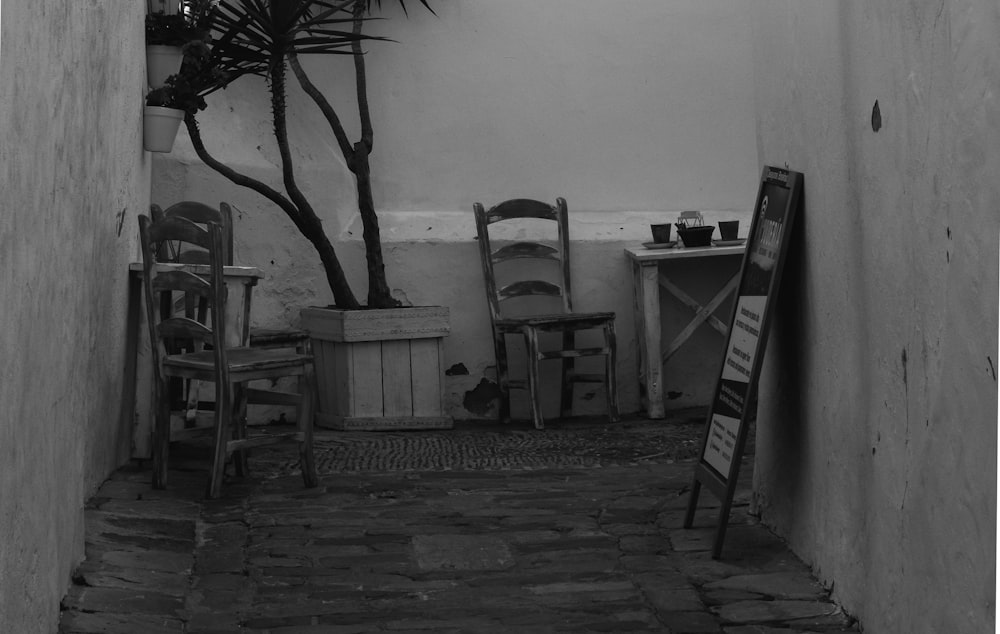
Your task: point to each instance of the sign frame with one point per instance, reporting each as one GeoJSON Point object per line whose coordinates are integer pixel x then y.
{"type": "Point", "coordinates": [733, 404]}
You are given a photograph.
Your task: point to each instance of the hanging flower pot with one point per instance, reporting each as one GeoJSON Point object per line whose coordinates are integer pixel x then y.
{"type": "Point", "coordinates": [159, 127]}
{"type": "Point", "coordinates": [168, 7]}
{"type": "Point", "coordinates": [167, 32]}
{"type": "Point", "coordinates": [161, 62]}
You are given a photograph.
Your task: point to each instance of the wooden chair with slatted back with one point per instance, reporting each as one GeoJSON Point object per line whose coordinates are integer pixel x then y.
{"type": "Point", "coordinates": [229, 368]}
{"type": "Point", "coordinates": [530, 327]}
{"type": "Point", "coordinates": [178, 251]}
{"type": "Point", "coordinates": [202, 214]}
{"type": "Point", "coordinates": [265, 338]}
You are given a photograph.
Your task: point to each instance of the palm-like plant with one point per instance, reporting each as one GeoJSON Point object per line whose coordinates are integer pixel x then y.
{"type": "Point", "coordinates": [265, 38]}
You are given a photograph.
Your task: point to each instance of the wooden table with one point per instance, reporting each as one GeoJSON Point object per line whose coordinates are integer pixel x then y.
{"type": "Point", "coordinates": [137, 408]}
{"type": "Point", "coordinates": [647, 278]}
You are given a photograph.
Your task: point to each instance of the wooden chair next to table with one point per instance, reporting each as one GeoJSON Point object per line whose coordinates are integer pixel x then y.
{"type": "Point", "coordinates": [566, 322]}
{"type": "Point", "coordinates": [202, 214]}
{"type": "Point", "coordinates": [229, 368]}
{"type": "Point", "coordinates": [264, 338]}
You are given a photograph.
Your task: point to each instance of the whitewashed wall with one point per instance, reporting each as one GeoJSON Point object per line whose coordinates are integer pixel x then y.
{"type": "Point", "coordinates": [632, 111]}
{"type": "Point", "coordinates": [71, 168]}
{"type": "Point", "coordinates": [876, 452]}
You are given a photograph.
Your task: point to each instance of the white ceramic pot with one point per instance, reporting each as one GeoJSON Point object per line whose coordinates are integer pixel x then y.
{"type": "Point", "coordinates": [169, 7]}
{"type": "Point", "coordinates": [159, 127]}
{"type": "Point", "coordinates": [162, 62]}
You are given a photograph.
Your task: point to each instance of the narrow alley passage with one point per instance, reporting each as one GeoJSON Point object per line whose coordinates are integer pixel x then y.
{"type": "Point", "coordinates": [579, 531]}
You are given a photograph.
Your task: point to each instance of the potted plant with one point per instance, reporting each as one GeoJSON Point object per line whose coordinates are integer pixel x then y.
{"type": "Point", "coordinates": [166, 35]}
{"type": "Point", "coordinates": [167, 105]}
{"type": "Point", "coordinates": [160, 120]}
{"type": "Point", "coordinates": [354, 347]}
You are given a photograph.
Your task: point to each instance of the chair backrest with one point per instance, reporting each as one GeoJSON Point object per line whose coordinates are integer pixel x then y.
{"type": "Point", "coordinates": [691, 219]}
{"type": "Point", "coordinates": [556, 251]}
{"type": "Point", "coordinates": [200, 214]}
{"type": "Point", "coordinates": [162, 279]}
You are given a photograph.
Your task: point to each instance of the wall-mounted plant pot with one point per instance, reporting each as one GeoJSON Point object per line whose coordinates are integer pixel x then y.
{"type": "Point", "coordinates": [159, 128]}
{"type": "Point", "coordinates": [162, 62]}
{"type": "Point", "coordinates": [168, 7]}
{"type": "Point", "coordinates": [379, 369]}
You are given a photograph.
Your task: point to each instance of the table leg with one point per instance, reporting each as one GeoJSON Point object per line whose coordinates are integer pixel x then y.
{"type": "Point", "coordinates": [647, 289]}
{"type": "Point", "coordinates": [640, 331]}
{"type": "Point", "coordinates": [126, 414]}
{"type": "Point", "coordinates": [143, 407]}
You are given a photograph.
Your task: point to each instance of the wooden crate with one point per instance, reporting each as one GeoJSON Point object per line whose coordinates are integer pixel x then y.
{"type": "Point", "coordinates": [379, 369]}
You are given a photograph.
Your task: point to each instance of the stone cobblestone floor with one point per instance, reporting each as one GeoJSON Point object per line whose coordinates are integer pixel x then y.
{"type": "Point", "coordinates": [479, 529]}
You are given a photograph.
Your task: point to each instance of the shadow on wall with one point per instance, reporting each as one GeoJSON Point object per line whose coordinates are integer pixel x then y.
{"type": "Point", "coordinates": [783, 434]}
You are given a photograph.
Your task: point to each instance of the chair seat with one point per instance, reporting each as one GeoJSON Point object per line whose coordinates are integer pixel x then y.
{"type": "Point", "coordinates": [241, 360]}
{"type": "Point", "coordinates": [560, 320]}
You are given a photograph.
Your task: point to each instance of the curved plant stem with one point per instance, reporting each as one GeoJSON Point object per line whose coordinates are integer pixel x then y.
{"type": "Point", "coordinates": [361, 77]}
{"type": "Point", "coordinates": [324, 106]}
{"type": "Point", "coordinates": [356, 157]}
{"type": "Point", "coordinates": [194, 131]}
{"type": "Point", "coordinates": [379, 295]}
{"type": "Point", "coordinates": [307, 223]}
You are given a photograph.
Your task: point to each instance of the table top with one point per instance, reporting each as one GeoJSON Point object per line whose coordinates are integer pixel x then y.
{"type": "Point", "coordinates": [203, 269]}
{"type": "Point", "coordinates": [642, 254]}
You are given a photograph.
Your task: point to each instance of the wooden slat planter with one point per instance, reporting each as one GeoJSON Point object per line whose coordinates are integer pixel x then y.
{"type": "Point", "coordinates": [379, 369]}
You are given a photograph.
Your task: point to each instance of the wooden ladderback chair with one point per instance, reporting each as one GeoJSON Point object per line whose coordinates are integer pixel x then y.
{"type": "Point", "coordinates": [187, 253]}
{"type": "Point", "coordinates": [202, 214]}
{"type": "Point", "coordinates": [502, 288]}
{"type": "Point", "coordinates": [208, 358]}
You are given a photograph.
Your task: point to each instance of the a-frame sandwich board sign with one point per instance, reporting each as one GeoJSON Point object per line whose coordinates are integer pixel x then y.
{"type": "Point", "coordinates": [778, 199]}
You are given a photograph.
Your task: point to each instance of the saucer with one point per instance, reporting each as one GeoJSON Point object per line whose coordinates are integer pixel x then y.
{"type": "Point", "coordinates": [729, 243]}
{"type": "Point", "coordinates": [660, 245]}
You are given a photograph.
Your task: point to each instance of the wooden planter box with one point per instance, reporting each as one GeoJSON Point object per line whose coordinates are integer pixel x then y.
{"type": "Point", "coordinates": [379, 369]}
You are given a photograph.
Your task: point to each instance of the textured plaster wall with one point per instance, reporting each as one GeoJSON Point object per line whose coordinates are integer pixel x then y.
{"type": "Point", "coordinates": [631, 111]}
{"type": "Point", "coordinates": [70, 162]}
{"type": "Point", "coordinates": [876, 452]}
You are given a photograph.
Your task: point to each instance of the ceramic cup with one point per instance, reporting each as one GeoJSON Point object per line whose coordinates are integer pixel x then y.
{"type": "Point", "coordinates": [729, 229]}
{"type": "Point", "coordinates": [661, 233]}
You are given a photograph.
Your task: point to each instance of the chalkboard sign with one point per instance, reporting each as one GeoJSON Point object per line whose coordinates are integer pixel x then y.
{"type": "Point", "coordinates": [729, 414]}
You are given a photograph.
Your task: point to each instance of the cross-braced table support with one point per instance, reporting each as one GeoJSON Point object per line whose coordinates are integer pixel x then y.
{"type": "Point", "coordinates": [647, 279]}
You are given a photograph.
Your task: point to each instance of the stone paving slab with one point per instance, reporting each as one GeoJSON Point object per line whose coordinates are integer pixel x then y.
{"type": "Point", "coordinates": [589, 547]}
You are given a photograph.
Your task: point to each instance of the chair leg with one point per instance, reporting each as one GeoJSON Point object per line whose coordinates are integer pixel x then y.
{"type": "Point", "coordinates": [610, 372]}
{"type": "Point", "coordinates": [223, 432]}
{"type": "Point", "coordinates": [161, 435]}
{"type": "Point", "coordinates": [568, 364]}
{"type": "Point", "coordinates": [191, 409]}
{"type": "Point", "coordinates": [503, 385]}
{"type": "Point", "coordinates": [193, 386]}
{"type": "Point", "coordinates": [239, 432]}
{"type": "Point", "coordinates": [305, 415]}
{"type": "Point", "coordinates": [533, 383]}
